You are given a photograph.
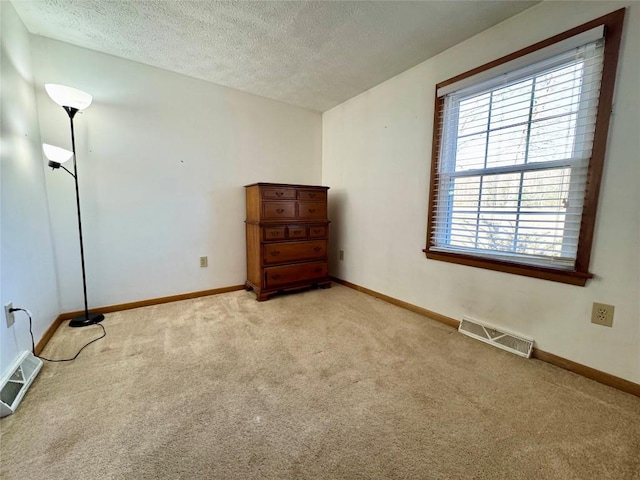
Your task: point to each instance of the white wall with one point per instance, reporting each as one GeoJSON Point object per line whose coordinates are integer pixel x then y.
{"type": "Point", "coordinates": [162, 160]}
{"type": "Point", "coordinates": [376, 158]}
{"type": "Point", "coordinates": [27, 270]}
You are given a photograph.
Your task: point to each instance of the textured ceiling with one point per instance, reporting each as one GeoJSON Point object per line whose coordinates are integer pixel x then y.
{"type": "Point", "coordinates": [315, 54]}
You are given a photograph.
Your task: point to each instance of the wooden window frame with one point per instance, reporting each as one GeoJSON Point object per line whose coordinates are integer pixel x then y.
{"type": "Point", "coordinates": [613, 24]}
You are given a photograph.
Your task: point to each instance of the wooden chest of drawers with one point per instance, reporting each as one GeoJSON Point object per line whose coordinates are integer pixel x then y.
{"type": "Point", "coordinates": [287, 234]}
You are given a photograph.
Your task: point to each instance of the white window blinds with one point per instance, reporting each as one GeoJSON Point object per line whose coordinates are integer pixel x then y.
{"type": "Point", "coordinates": [513, 159]}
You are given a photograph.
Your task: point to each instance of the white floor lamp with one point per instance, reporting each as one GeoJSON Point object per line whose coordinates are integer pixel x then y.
{"type": "Point", "coordinates": [73, 101]}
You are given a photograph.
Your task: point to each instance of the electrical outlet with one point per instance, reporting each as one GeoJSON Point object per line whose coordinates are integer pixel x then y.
{"type": "Point", "coordinates": [602, 314]}
{"type": "Point", "coordinates": [9, 315]}
{"type": "Point", "coordinates": [204, 262]}
{"type": "Point", "coordinates": [341, 255]}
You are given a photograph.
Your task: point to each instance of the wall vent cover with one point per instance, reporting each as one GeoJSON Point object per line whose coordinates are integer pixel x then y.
{"type": "Point", "coordinates": [498, 337]}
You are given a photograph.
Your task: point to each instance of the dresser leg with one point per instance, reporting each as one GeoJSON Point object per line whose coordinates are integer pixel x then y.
{"type": "Point", "coordinates": [248, 287]}
{"type": "Point", "coordinates": [261, 297]}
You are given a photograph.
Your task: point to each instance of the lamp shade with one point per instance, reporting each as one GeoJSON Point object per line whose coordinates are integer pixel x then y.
{"type": "Point", "coordinates": [56, 154]}
{"type": "Point", "coordinates": [68, 96]}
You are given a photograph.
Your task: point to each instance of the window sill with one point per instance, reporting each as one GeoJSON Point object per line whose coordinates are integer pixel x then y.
{"type": "Point", "coordinates": [570, 277]}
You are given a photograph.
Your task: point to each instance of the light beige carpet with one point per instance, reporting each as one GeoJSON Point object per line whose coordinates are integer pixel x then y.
{"type": "Point", "coordinates": [325, 384]}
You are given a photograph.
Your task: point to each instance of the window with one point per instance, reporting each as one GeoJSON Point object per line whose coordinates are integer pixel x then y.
{"type": "Point", "coordinates": [518, 155]}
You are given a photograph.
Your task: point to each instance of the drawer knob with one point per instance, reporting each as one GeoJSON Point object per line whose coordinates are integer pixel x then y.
{"type": "Point", "coordinates": [318, 270]}
{"type": "Point", "coordinates": [275, 276]}
{"type": "Point", "coordinates": [279, 210]}
{"type": "Point", "coordinates": [316, 230]}
{"type": "Point", "coordinates": [317, 249]}
{"type": "Point", "coordinates": [311, 195]}
{"type": "Point", "coordinates": [279, 194]}
{"type": "Point", "coordinates": [312, 210]}
{"type": "Point", "coordinates": [297, 232]}
{"type": "Point", "coordinates": [275, 233]}
{"type": "Point", "coordinates": [275, 253]}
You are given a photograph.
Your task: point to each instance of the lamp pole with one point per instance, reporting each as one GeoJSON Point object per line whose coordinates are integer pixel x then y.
{"type": "Point", "coordinates": [86, 320]}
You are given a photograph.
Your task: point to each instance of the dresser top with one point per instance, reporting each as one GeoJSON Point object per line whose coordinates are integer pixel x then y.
{"type": "Point", "coordinates": [281, 185]}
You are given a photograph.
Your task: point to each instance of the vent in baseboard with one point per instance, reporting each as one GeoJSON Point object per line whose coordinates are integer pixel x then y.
{"type": "Point", "coordinates": [497, 337]}
{"type": "Point", "coordinates": [16, 382]}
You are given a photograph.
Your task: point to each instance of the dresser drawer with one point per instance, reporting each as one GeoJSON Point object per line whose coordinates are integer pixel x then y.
{"type": "Point", "coordinates": [274, 233]}
{"type": "Point", "coordinates": [277, 193]}
{"type": "Point", "coordinates": [312, 195]}
{"type": "Point", "coordinates": [278, 210]}
{"type": "Point", "coordinates": [276, 276]}
{"type": "Point", "coordinates": [297, 232]}
{"type": "Point", "coordinates": [294, 251]}
{"type": "Point", "coordinates": [320, 231]}
{"type": "Point", "coordinates": [309, 210]}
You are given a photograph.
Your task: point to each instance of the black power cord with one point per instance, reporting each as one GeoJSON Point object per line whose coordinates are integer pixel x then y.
{"type": "Point", "coordinates": [33, 348]}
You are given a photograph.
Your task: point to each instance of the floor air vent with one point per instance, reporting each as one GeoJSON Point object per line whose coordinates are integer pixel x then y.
{"type": "Point", "coordinates": [16, 381]}
{"type": "Point", "coordinates": [497, 337]}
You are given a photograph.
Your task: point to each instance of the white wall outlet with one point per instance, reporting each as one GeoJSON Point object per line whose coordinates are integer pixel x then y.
{"type": "Point", "coordinates": [9, 315]}
{"type": "Point", "coordinates": [204, 261]}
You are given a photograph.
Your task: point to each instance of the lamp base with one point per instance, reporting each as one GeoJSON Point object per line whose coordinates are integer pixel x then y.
{"type": "Point", "coordinates": [86, 320]}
